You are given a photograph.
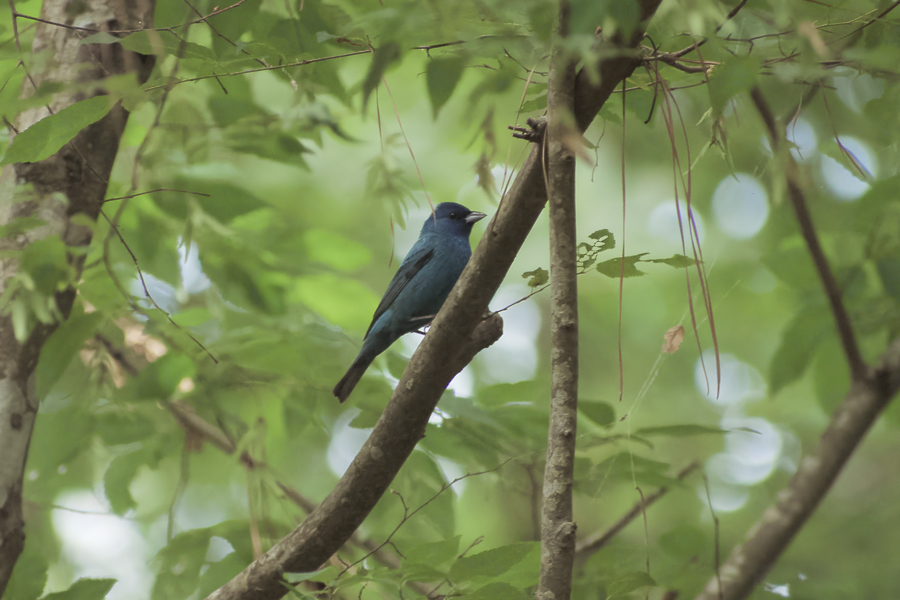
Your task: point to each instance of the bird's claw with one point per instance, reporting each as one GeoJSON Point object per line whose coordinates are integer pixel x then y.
{"type": "Point", "coordinates": [427, 321]}
{"type": "Point", "coordinates": [535, 132]}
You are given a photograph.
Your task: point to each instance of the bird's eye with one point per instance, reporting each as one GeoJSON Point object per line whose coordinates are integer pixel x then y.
{"type": "Point", "coordinates": [453, 215]}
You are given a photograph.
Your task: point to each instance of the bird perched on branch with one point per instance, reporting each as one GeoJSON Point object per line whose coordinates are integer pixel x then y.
{"type": "Point", "coordinates": [420, 286]}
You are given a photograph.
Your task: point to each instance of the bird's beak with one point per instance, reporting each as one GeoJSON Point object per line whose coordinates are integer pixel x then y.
{"type": "Point", "coordinates": [474, 217]}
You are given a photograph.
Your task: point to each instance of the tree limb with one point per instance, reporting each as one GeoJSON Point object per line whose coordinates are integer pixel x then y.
{"type": "Point", "coordinates": [459, 331]}
{"type": "Point", "coordinates": [870, 391]}
{"type": "Point", "coordinates": [808, 230]}
{"type": "Point", "coordinates": [770, 536]}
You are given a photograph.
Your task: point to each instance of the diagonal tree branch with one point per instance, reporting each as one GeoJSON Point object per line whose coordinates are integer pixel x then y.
{"type": "Point", "coordinates": [558, 524]}
{"type": "Point", "coordinates": [459, 331]}
{"type": "Point", "coordinates": [870, 391]}
{"type": "Point", "coordinates": [808, 230]}
{"type": "Point", "coordinates": [770, 536]}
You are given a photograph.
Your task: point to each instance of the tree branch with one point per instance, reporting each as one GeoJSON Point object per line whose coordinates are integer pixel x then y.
{"type": "Point", "coordinates": [808, 230]}
{"type": "Point", "coordinates": [772, 533]}
{"type": "Point", "coordinates": [459, 331]}
{"type": "Point", "coordinates": [558, 524]}
{"type": "Point", "coordinates": [595, 542]}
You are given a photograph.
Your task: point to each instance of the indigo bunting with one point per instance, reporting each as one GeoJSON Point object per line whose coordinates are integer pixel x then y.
{"type": "Point", "coordinates": [420, 286]}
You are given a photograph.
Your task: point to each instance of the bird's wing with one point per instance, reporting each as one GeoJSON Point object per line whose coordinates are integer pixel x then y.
{"type": "Point", "coordinates": [412, 264]}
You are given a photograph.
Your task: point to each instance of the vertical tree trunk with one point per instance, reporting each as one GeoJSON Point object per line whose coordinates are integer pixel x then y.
{"type": "Point", "coordinates": [79, 172]}
{"type": "Point", "coordinates": [558, 526]}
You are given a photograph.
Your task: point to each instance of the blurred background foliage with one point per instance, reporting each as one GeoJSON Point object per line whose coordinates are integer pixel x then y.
{"type": "Point", "coordinates": [310, 197]}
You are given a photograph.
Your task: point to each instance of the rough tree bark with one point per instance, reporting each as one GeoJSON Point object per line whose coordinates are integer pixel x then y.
{"type": "Point", "coordinates": [558, 524]}
{"type": "Point", "coordinates": [458, 332]}
{"type": "Point", "coordinates": [79, 172]}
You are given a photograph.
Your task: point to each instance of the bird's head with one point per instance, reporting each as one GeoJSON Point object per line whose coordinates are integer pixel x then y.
{"type": "Point", "coordinates": [451, 217]}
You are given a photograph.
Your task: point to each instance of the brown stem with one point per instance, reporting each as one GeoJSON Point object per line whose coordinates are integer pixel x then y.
{"type": "Point", "coordinates": [770, 536]}
{"type": "Point", "coordinates": [558, 525]}
{"type": "Point", "coordinates": [808, 230]}
{"type": "Point", "coordinates": [597, 541]}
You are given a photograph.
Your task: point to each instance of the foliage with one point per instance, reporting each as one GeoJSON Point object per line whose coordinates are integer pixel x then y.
{"type": "Point", "coordinates": [285, 185]}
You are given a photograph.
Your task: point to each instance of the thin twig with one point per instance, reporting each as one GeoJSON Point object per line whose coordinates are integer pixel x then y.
{"type": "Point", "coordinates": [407, 514]}
{"type": "Point", "coordinates": [153, 192]}
{"type": "Point", "coordinates": [698, 43]}
{"type": "Point", "coordinates": [298, 63]}
{"type": "Point", "coordinates": [595, 542]}
{"type": "Point", "coordinates": [218, 11]}
{"type": "Point", "coordinates": [147, 291]}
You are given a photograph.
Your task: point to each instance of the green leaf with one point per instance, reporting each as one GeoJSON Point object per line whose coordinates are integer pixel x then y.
{"type": "Point", "coordinates": [888, 268]}
{"type": "Point", "coordinates": [123, 428]}
{"type": "Point", "coordinates": [490, 563]}
{"type": "Point", "coordinates": [735, 75]}
{"type": "Point", "coordinates": [831, 375]}
{"type": "Point", "coordinates": [47, 264]}
{"type": "Point", "coordinates": [606, 239]}
{"type": "Point", "coordinates": [793, 265]}
{"type": "Point", "coordinates": [799, 341]}
{"type": "Point", "coordinates": [382, 58]}
{"type": "Point", "coordinates": [613, 267]}
{"type": "Point", "coordinates": [29, 576]}
{"type": "Point", "coordinates": [680, 430]}
{"type": "Point", "coordinates": [679, 261]}
{"type": "Point", "coordinates": [84, 589]}
{"type": "Point", "coordinates": [336, 251]}
{"type": "Point", "coordinates": [179, 563]}
{"type": "Point", "coordinates": [630, 582]}
{"type": "Point", "coordinates": [118, 478]}
{"type": "Point", "coordinates": [366, 419]}
{"type": "Point", "coordinates": [61, 347]}
{"type": "Point", "coordinates": [845, 158]}
{"type": "Point", "coordinates": [48, 135]}
{"type": "Point", "coordinates": [504, 393]}
{"type": "Point", "coordinates": [684, 541]}
{"type": "Point", "coordinates": [192, 317]}
{"type": "Point", "coordinates": [419, 571]}
{"type": "Point", "coordinates": [442, 75]}
{"type": "Point", "coordinates": [160, 379]}
{"type": "Point", "coordinates": [539, 277]}
{"type": "Point", "coordinates": [219, 573]}
{"type": "Point", "coordinates": [497, 591]}
{"type": "Point", "coordinates": [435, 554]}
{"type": "Point", "coordinates": [601, 413]}
{"type": "Point", "coordinates": [325, 575]}
{"type": "Point", "coordinates": [20, 225]}
{"type": "Point", "coordinates": [100, 38]}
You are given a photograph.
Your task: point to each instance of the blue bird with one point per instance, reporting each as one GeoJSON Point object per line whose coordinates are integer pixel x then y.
{"type": "Point", "coordinates": [419, 287]}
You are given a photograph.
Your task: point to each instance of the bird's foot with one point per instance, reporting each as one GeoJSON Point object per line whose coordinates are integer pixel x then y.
{"type": "Point", "coordinates": [534, 134]}
{"type": "Point", "coordinates": [424, 320]}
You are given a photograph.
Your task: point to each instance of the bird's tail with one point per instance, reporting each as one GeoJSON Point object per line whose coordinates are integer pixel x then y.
{"type": "Point", "coordinates": [351, 378]}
